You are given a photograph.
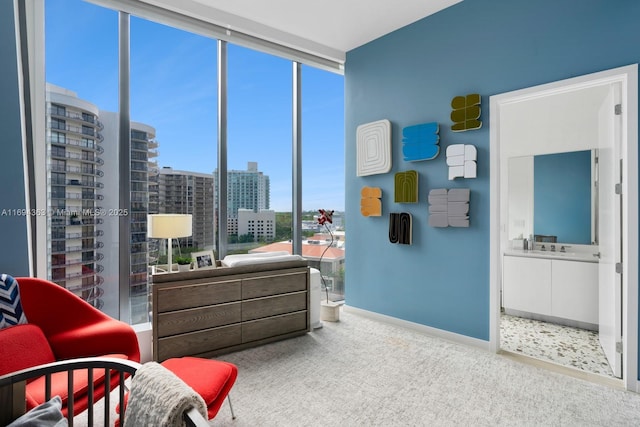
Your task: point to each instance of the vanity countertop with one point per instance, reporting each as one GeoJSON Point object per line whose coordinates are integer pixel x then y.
{"type": "Point", "coordinates": [567, 256]}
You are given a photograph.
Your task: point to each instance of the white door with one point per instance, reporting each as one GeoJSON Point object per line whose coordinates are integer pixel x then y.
{"type": "Point", "coordinates": [609, 231]}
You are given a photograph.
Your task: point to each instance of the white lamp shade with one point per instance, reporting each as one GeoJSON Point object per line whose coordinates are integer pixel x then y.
{"type": "Point", "coordinates": [168, 226]}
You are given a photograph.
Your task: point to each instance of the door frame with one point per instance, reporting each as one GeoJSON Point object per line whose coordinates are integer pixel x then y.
{"type": "Point", "coordinates": [628, 77]}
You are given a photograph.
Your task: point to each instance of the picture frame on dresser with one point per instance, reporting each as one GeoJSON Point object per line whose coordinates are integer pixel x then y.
{"type": "Point", "coordinates": [203, 259]}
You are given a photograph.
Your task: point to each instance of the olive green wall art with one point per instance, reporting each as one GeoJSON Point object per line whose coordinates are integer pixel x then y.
{"type": "Point", "coordinates": [466, 113]}
{"type": "Point", "coordinates": [406, 187]}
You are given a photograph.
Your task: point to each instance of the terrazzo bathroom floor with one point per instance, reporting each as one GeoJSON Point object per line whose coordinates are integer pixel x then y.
{"type": "Point", "coordinates": [564, 345]}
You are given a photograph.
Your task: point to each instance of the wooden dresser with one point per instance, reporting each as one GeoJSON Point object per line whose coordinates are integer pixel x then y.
{"type": "Point", "coordinates": [213, 311]}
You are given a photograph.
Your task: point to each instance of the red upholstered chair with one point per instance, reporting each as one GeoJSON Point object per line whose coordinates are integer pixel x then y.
{"type": "Point", "coordinates": [62, 326]}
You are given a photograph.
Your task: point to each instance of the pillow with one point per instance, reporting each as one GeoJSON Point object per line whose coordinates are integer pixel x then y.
{"type": "Point", "coordinates": [11, 313]}
{"type": "Point", "coordinates": [45, 415]}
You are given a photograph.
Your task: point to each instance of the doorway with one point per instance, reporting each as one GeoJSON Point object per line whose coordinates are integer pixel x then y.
{"type": "Point", "coordinates": [550, 119]}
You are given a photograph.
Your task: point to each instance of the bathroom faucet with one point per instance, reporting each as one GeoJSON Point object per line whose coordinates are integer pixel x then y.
{"type": "Point", "coordinates": [553, 248]}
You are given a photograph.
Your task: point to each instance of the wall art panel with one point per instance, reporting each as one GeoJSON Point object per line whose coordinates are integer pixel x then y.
{"type": "Point", "coordinates": [449, 208]}
{"type": "Point", "coordinates": [461, 160]}
{"type": "Point", "coordinates": [406, 187]}
{"type": "Point", "coordinates": [373, 155]}
{"type": "Point", "coordinates": [466, 113]}
{"type": "Point", "coordinates": [370, 203]}
{"type": "Point", "coordinates": [420, 142]}
{"type": "Point", "coordinates": [400, 228]}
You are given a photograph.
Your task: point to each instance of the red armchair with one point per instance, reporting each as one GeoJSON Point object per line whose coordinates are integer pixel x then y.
{"type": "Point", "coordinates": [62, 326]}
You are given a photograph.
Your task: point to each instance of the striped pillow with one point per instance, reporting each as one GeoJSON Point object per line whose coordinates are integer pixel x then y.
{"type": "Point", "coordinates": [11, 313]}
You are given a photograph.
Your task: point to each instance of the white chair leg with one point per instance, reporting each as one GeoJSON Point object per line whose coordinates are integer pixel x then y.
{"type": "Point", "coordinates": [233, 415]}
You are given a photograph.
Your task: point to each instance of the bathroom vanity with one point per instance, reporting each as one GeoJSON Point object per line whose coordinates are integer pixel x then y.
{"type": "Point", "coordinates": [556, 286]}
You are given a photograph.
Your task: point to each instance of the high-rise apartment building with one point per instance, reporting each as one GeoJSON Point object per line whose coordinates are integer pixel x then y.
{"type": "Point", "coordinates": [248, 189]}
{"type": "Point", "coordinates": [83, 201]}
{"type": "Point", "coordinates": [184, 192]}
{"type": "Point", "coordinates": [142, 161]}
{"type": "Point", "coordinates": [74, 171]}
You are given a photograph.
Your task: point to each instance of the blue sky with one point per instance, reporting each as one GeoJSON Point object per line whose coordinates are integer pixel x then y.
{"type": "Point", "coordinates": [174, 90]}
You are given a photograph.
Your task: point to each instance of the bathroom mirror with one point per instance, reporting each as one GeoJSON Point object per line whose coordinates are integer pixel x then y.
{"type": "Point", "coordinates": [554, 194]}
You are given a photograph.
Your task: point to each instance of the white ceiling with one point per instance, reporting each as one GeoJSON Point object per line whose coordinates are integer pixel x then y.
{"type": "Point", "coordinates": [329, 28]}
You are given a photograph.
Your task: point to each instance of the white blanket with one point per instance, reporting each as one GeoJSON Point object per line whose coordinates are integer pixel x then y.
{"type": "Point", "coordinates": [159, 398]}
{"type": "Point", "coordinates": [259, 258]}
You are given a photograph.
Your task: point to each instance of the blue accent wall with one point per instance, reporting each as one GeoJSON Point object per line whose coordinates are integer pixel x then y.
{"type": "Point", "coordinates": [562, 196]}
{"type": "Point", "coordinates": [410, 77]}
{"type": "Point", "coordinates": [14, 258]}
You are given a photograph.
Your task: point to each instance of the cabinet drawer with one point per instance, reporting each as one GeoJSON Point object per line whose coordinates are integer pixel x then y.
{"type": "Point", "coordinates": [271, 285]}
{"type": "Point", "coordinates": [273, 326]}
{"type": "Point", "coordinates": [196, 295]}
{"type": "Point", "coordinates": [198, 342]}
{"type": "Point", "coordinates": [271, 306]}
{"type": "Point", "coordinates": [196, 319]}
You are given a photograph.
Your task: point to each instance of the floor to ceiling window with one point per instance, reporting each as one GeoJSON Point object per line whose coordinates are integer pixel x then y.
{"type": "Point", "coordinates": [173, 127]}
{"type": "Point", "coordinates": [259, 150]}
{"type": "Point", "coordinates": [173, 152]}
{"type": "Point", "coordinates": [82, 80]}
{"type": "Point", "coordinates": [323, 175]}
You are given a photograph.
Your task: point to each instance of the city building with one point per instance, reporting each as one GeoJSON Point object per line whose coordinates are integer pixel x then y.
{"type": "Point", "coordinates": [75, 170]}
{"type": "Point", "coordinates": [261, 225]}
{"type": "Point", "coordinates": [83, 199]}
{"type": "Point", "coordinates": [184, 192]}
{"type": "Point", "coordinates": [248, 189]}
{"type": "Point", "coordinates": [143, 154]}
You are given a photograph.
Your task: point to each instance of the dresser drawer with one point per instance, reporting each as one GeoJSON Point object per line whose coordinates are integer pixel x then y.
{"type": "Point", "coordinates": [272, 285]}
{"type": "Point", "coordinates": [198, 342]}
{"type": "Point", "coordinates": [196, 295]}
{"type": "Point", "coordinates": [195, 319]}
{"type": "Point", "coordinates": [271, 306]}
{"type": "Point", "coordinates": [279, 325]}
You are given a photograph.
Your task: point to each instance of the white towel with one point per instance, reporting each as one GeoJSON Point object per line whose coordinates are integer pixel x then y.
{"type": "Point", "coordinates": [159, 398]}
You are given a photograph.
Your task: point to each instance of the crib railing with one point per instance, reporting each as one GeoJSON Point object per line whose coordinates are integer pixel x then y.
{"type": "Point", "coordinates": [12, 389]}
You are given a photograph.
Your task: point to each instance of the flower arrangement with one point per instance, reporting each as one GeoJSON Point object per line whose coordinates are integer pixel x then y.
{"type": "Point", "coordinates": [325, 217]}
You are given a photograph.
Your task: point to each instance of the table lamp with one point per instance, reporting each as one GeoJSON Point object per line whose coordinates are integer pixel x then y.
{"type": "Point", "coordinates": [169, 226]}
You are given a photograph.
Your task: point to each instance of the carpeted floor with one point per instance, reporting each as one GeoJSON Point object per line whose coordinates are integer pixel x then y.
{"type": "Point", "coordinates": [360, 372]}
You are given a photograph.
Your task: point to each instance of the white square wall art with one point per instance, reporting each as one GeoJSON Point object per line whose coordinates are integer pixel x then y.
{"type": "Point", "coordinates": [373, 153]}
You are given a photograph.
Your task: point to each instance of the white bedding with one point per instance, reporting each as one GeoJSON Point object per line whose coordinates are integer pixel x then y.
{"type": "Point", "coordinates": [259, 258]}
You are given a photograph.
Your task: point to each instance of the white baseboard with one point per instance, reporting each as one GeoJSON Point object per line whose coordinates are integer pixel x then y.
{"type": "Point", "coordinates": [428, 330]}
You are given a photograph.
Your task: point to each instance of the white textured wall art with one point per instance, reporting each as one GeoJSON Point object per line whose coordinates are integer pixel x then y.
{"type": "Point", "coordinates": [373, 155]}
{"type": "Point", "coordinates": [449, 208]}
{"type": "Point", "coordinates": [461, 160]}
